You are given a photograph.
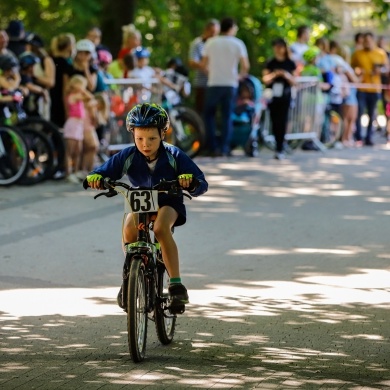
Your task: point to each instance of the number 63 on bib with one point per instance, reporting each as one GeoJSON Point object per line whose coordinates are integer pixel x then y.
{"type": "Point", "coordinates": [141, 201]}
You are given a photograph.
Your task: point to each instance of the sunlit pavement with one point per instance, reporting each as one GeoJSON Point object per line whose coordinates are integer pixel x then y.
{"type": "Point", "coordinates": [286, 262]}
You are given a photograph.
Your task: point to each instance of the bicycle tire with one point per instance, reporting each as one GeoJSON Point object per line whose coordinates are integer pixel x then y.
{"type": "Point", "coordinates": [194, 131]}
{"type": "Point", "coordinates": [165, 322]}
{"type": "Point", "coordinates": [52, 131]}
{"type": "Point", "coordinates": [13, 155]}
{"type": "Point", "coordinates": [333, 129]}
{"type": "Point", "coordinates": [137, 319]}
{"type": "Point", "coordinates": [40, 162]}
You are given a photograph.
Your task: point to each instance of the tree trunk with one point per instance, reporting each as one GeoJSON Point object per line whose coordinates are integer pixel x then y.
{"type": "Point", "coordinates": [115, 14]}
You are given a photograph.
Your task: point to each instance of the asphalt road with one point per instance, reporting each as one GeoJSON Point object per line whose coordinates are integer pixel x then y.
{"type": "Point", "coordinates": [286, 262]}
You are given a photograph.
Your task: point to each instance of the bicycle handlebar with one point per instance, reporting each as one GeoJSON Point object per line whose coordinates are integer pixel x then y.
{"type": "Point", "coordinates": [171, 187]}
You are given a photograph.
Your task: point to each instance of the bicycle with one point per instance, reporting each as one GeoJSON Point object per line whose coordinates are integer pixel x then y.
{"type": "Point", "coordinates": [40, 132]}
{"type": "Point", "coordinates": [145, 278]}
{"type": "Point", "coordinates": [14, 156]}
{"type": "Point", "coordinates": [332, 129]}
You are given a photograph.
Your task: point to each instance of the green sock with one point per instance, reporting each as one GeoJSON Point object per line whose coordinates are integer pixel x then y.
{"type": "Point", "coordinates": [174, 280]}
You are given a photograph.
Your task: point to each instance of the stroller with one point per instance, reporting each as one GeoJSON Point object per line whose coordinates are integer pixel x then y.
{"type": "Point", "coordinates": [247, 114]}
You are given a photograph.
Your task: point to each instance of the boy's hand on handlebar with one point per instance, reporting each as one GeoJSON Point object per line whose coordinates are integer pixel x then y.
{"type": "Point", "coordinates": [95, 181]}
{"type": "Point", "coordinates": [188, 181]}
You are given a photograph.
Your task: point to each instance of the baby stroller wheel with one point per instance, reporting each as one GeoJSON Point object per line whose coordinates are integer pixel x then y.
{"type": "Point", "coordinates": [251, 147]}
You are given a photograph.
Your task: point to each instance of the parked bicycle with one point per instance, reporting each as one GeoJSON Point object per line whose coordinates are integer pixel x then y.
{"type": "Point", "coordinates": [13, 155]}
{"type": "Point", "coordinates": [145, 278]}
{"type": "Point", "coordinates": [45, 144]}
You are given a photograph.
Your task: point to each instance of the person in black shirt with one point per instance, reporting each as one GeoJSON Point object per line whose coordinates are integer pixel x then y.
{"type": "Point", "coordinates": [62, 47]}
{"type": "Point", "coordinates": [279, 76]}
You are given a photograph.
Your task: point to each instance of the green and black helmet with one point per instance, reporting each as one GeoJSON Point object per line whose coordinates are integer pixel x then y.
{"type": "Point", "coordinates": [147, 115]}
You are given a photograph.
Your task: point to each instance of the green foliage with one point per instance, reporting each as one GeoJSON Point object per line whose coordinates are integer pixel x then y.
{"type": "Point", "coordinates": [168, 26]}
{"type": "Point", "coordinates": [50, 17]}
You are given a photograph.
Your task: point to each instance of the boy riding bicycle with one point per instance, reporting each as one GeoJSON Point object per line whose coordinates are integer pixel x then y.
{"type": "Point", "coordinates": [145, 164]}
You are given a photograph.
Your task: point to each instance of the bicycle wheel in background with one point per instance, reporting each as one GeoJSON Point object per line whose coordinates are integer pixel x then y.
{"type": "Point", "coordinates": [332, 129]}
{"type": "Point", "coordinates": [164, 321]}
{"type": "Point", "coordinates": [55, 136]}
{"type": "Point", "coordinates": [13, 156]}
{"type": "Point", "coordinates": [187, 130]}
{"type": "Point", "coordinates": [137, 318]}
{"type": "Point", "coordinates": [40, 157]}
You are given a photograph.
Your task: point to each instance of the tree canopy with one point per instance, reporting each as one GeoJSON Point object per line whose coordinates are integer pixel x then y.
{"type": "Point", "coordinates": [168, 26]}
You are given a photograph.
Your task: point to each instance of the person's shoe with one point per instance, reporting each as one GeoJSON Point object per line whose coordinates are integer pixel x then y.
{"type": "Point", "coordinates": [81, 175]}
{"type": "Point", "coordinates": [72, 178]}
{"type": "Point", "coordinates": [178, 297]}
{"type": "Point", "coordinates": [279, 156]}
{"type": "Point", "coordinates": [368, 142]}
{"type": "Point", "coordinates": [119, 299]}
{"type": "Point", "coordinates": [358, 143]}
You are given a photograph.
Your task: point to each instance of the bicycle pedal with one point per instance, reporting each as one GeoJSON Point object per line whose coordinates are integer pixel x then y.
{"type": "Point", "coordinates": [178, 309]}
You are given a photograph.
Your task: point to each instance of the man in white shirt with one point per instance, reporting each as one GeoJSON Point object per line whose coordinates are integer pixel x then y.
{"type": "Point", "coordinates": [194, 61]}
{"type": "Point", "coordinates": [225, 58]}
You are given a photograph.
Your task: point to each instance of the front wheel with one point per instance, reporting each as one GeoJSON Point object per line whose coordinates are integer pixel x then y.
{"type": "Point", "coordinates": [164, 320]}
{"type": "Point", "coordinates": [137, 319]}
{"type": "Point", "coordinates": [187, 130]}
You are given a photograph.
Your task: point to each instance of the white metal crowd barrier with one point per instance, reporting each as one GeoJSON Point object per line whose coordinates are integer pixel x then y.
{"type": "Point", "coordinates": [306, 113]}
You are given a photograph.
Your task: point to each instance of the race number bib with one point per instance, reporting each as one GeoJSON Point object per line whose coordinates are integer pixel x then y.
{"type": "Point", "coordinates": [141, 201]}
{"type": "Point", "coordinates": [277, 90]}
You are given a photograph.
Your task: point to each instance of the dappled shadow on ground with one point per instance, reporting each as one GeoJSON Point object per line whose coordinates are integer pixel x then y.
{"type": "Point", "coordinates": [308, 309]}
{"type": "Point", "coordinates": [318, 331]}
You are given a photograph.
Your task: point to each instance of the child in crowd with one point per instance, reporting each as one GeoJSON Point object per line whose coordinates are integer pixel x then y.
{"type": "Point", "coordinates": [142, 69]}
{"type": "Point", "coordinates": [146, 163]}
{"type": "Point", "coordinates": [104, 59]}
{"type": "Point", "coordinates": [311, 69]}
{"type": "Point", "coordinates": [340, 89]}
{"type": "Point", "coordinates": [102, 116]}
{"type": "Point", "coordinates": [9, 73]}
{"type": "Point", "coordinates": [77, 96]}
{"type": "Point", "coordinates": [37, 93]}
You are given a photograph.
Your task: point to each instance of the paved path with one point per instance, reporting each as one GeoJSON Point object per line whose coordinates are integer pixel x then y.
{"type": "Point", "coordinates": [287, 264]}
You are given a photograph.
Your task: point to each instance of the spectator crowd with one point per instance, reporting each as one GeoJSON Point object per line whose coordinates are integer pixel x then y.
{"type": "Point", "coordinates": [64, 81]}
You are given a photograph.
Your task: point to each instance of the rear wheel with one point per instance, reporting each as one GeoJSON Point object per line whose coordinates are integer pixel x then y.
{"type": "Point", "coordinates": [137, 319]}
{"type": "Point", "coordinates": [332, 129]}
{"type": "Point", "coordinates": [13, 156]}
{"type": "Point", "coordinates": [40, 157]}
{"type": "Point", "coordinates": [164, 320]}
{"type": "Point", "coordinates": [187, 130]}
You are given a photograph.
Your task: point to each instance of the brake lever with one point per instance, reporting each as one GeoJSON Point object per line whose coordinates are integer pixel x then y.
{"type": "Point", "coordinates": [108, 194]}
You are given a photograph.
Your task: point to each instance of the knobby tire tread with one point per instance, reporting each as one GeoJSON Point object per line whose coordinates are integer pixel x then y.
{"type": "Point", "coordinates": [136, 276]}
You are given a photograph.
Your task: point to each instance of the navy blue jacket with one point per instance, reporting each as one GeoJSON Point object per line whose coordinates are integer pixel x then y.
{"type": "Point", "coordinates": [171, 163]}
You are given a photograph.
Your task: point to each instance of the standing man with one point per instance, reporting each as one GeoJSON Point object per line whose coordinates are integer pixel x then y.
{"type": "Point", "coordinates": [223, 56]}
{"type": "Point", "coordinates": [211, 29]}
{"type": "Point", "coordinates": [368, 63]}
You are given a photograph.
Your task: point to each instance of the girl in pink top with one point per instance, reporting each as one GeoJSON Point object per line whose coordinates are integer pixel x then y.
{"type": "Point", "coordinates": [76, 97]}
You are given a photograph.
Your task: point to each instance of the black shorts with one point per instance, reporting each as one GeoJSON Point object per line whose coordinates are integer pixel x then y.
{"type": "Point", "coordinates": [178, 207]}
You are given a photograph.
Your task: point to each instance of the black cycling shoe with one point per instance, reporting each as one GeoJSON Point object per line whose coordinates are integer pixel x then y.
{"type": "Point", "coordinates": [178, 297]}
{"type": "Point", "coordinates": [119, 300]}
